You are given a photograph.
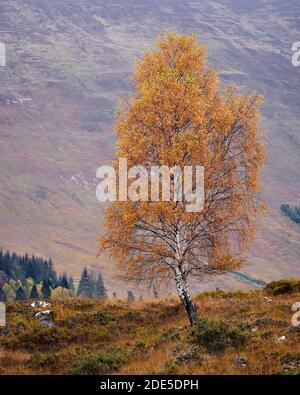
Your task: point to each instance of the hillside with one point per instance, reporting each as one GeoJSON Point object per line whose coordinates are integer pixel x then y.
{"type": "Point", "coordinates": [153, 337]}
{"type": "Point", "coordinates": [68, 63]}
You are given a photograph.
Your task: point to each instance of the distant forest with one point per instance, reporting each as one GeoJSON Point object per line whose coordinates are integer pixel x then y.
{"type": "Point", "coordinates": [293, 212]}
{"type": "Point", "coordinates": [23, 277]}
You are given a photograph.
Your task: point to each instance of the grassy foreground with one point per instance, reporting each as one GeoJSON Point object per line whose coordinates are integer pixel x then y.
{"type": "Point", "coordinates": [242, 333]}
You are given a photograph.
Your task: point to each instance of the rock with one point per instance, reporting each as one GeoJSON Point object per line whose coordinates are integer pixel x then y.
{"type": "Point", "coordinates": [294, 329]}
{"type": "Point", "coordinates": [3, 331]}
{"type": "Point", "coordinates": [40, 303]}
{"type": "Point", "coordinates": [269, 321]}
{"type": "Point", "coordinates": [175, 350]}
{"type": "Point", "coordinates": [261, 323]}
{"type": "Point", "coordinates": [191, 353]}
{"type": "Point", "coordinates": [290, 362]}
{"type": "Point", "coordinates": [267, 299]}
{"type": "Point", "coordinates": [245, 326]}
{"type": "Point", "coordinates": [266, 335]}
{"type": "Point", "coordinates": [281, 338]}
{"type": "Point", "coordinates": [240, 361]}
{"type": "Point", "coordinates": [45, 317]}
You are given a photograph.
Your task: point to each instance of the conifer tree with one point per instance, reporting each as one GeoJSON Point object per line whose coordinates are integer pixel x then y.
{"type": "Point", "coordinates": [100, 290]}
{"type": "Point", "coordinates": [64, 282]}
{"type": "Point", "coordinates": [46, 290]}
{"type": "Point", "coordinates": [20, 295]}
{"type": "Point", "coordinates": [71, 286]}
{"type": "Point", "coordinates": [84, 283]}
{"type": "Point", "coordinates": [34, 293]}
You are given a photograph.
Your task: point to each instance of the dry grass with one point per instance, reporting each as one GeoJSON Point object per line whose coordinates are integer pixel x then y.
{"type": "Point", "coordinates": [147, 337]}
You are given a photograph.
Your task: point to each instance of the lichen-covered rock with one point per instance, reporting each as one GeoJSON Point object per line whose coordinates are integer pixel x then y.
{"type": "Point", "coordinates": [191, 353]}
{"type": "Point", "coordinates": [45, 317]}
{"type": "Point", "coordinates": [290, 362]}
{"type": "Point", "coordinates": [240, 361]}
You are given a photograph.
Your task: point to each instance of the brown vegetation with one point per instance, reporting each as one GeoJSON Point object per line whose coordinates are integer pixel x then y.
{"type": "Point", "coordinates": [240, 335]}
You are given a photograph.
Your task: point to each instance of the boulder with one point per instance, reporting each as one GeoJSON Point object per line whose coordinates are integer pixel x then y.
{"type": "Point", "coordinates": [294, 329]}
{"type": "Point", "coordinates": [240, 361]}
{"type": "Point", "coordinates": [290, 362]}
{"type": "Point", "coordinates": [191, 353]}
{"type": "Point", "coordinates": [264, 321]}
{"type": "Point", "coordinates": [281, 338]}
{"type": "Point", "coordinates": [45, 317]}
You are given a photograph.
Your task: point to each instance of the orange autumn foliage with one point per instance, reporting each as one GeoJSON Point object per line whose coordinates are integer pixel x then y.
{"type": "Point", "coordinates": [180, 115]}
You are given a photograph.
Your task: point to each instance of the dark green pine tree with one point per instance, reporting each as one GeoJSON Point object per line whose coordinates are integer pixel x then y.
{"type": "Point", "coordinates": [34, 293]}
{"type": "Point", "coordinates": [84, 284]}
{"type": "Point", "coordinates": [100, 290]}
{"type": "Point", "coordinates": [20, 295]}
{"type": "Point", "coordinates": [64, 282]}
{"type": "Point", "coordinates": [52, 274]}
{"type": "Point", "coordinates": [92, 286]}
{"type": "Point", "coordinates": [46, 290]}
{"type": "Point", "coordinates": [71, 287]}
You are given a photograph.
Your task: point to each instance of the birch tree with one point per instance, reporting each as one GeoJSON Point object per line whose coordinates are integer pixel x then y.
{"type": "Point", "coordinates": [180, 115]}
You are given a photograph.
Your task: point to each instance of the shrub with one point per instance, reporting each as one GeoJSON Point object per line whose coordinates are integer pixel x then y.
{"type": "Point", "coordinates": [40, 360]}
{"type": "Point", "coordinates": [141, 347]}
{"type": "Point", "coordinates": [282, 287]}
{"type": "Point", "coordinates": [100, 363]}
{"type": "Point", "coordinates": [171, 368]}
{"type": "Point", "coordinates": [171, 334]}
{"type": "Point", "coordinates": [102, 318]}
{"type": "Point", "coordinates": [215, 336]}
{"type": "Point", "coordinates": [218, 293]}
{"type": "Point", "coordinates": [35, 338]}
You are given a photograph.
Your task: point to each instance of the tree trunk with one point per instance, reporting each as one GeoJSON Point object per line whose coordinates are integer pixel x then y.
{"type": "Point", "coordinates": [185, 297]}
